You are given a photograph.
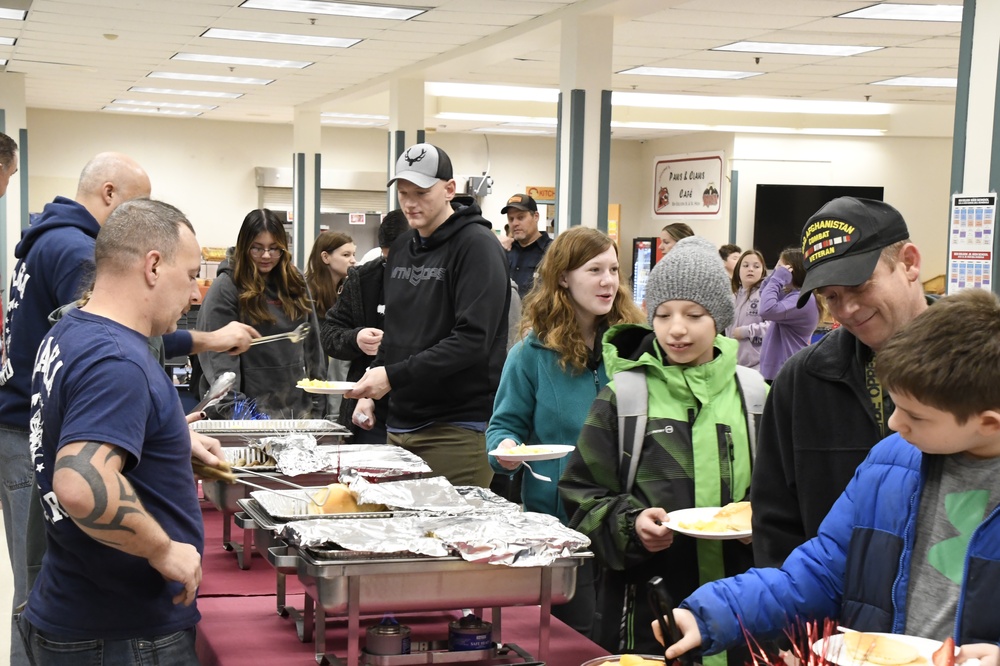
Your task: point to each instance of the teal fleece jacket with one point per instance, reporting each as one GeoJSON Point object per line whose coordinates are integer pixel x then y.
{"type": "Point", "coordinates": [538, 402]}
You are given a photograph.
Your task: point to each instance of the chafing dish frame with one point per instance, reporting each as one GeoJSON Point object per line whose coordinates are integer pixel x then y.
{"type": "Point", "coordinates": [339, 587]}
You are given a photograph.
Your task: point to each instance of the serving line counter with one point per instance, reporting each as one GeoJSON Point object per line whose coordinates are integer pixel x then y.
{"type": "Point", "coordinates": [347, 585]}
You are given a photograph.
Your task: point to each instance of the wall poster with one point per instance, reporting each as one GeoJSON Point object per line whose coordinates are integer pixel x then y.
{"type": "Point", "coordinates": [688, 185]}
{"type": "Point", "coordinates": [970, 243]}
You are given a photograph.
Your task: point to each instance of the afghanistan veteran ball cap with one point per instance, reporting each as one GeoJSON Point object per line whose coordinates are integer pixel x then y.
{"type": "Point", "coordinates": [520, 202]}
{"type": "Point", "coordinates": [423, 165]}
{"type": "Point", "coordinates": [843, 240]}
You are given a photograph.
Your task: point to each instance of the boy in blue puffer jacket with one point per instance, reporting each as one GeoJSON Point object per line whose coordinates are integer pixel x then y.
{"type": "Point", "coordinates": [912, 546]}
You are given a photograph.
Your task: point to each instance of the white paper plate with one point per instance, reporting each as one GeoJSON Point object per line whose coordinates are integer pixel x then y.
{"type": "Point", "coordinates": [831, 648]}
{"type": "Point", "coordinates": [699, 514]}
{"type": "Point", "coordinates": [330, 388]}
{"type": "Point", "coordinates": [542, 452]}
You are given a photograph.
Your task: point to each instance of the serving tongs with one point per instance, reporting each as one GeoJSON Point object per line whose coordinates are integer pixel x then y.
{"type": "Point", "coordinates": [303, 496]}
{"type": "Point", "coordinates": [219, 388]}
{"type": "Point", "coordinates": [297, 335]}
{"type": "Point", "coordinates": [662, 605]}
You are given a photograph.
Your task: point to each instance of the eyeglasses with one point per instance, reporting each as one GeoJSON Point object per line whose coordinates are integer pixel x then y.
{"type": "Point", "coordinates": [257, 251]}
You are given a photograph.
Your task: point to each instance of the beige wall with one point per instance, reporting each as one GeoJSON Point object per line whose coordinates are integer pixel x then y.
{"type": "Point", "coordinates": [206, 168]}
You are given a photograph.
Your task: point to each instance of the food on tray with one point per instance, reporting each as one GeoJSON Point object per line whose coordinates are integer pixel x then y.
{"type": "Point", "coordinates": [335, 498]}
{"type": "Point", "coordinates": [880, 650]}
{"type": "Point", "coordinates": [734, 517]}
{"type": "Point", "coordinates": [632, 660]}
{"type": "Point", "coordinates": [257, 461]}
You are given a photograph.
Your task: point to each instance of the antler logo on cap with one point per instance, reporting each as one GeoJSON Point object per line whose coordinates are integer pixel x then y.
{"type": "Point", "coordinates": [410, 161]}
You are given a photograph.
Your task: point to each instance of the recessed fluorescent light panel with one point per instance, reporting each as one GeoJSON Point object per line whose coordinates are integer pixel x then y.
{"type": "Point", "coordinates": [192, 93]}
{"type": "Point", "coordinates": [919, 81]}
{"type": "Point", "coordinates": [165, 105]}
{"type": "Point", "coordinates": [13, 14]}
{"type": "Point", "coordinates": [690, 73]}
{"type": "Point", "coordinates": [180, 76]}
{"type": "Point", "coordinates": [238, 60]}
{"type": "Point", "coordinates": [7, 41]}
{"type": "Point", "coordinates": [486, 91]}
{"type": "Point", "coordinates": [902, 12]}
{"type": "Point", "coordinates": [511, 130]}
{"type": "Point", "coordinates": [356, 116]}
{"type": "Point", "coordinates": [833, 50]}
{"type": "Point", "coordinates": [280, 38]}
{"type": "Point", "coordinates": [337, 9]}
{"type": "Point", "coordinates": [766, 105]}
{"type": "Point", "coordinates": [177, 113]}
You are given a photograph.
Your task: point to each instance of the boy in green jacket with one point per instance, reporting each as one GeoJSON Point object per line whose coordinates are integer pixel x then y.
{"type": "Point", "coordinates": [695, 453]}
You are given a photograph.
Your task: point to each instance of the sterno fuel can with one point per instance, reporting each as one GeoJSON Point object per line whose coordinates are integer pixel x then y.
{"type": "Point", "coordinates": [387, 638]}
{"type": "Point", "coordinates": [469, 633]}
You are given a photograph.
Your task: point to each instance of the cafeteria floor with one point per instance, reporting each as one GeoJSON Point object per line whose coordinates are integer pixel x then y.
{"type": "Point", "coordinates": [240, 624]}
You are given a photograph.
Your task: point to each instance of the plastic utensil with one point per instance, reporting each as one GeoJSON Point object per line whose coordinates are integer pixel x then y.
{"type": "Point", "coordinates": [662, 605]}
{"type": "Point", "coordinates": [540, 477]}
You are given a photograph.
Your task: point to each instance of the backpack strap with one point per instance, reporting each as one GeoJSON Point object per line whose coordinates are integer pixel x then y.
{"type": "Point", "coordinates": [633, 406]}
{"type": "Point", "coordinates": [753, 393]}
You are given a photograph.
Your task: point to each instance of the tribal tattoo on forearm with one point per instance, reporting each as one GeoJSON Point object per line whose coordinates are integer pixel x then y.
{"type": "Point", "coordinates": [83, 464]}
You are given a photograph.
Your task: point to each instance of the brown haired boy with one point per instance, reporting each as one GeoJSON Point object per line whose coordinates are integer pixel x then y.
{"type": "Point", "coordinates": [913, 545]}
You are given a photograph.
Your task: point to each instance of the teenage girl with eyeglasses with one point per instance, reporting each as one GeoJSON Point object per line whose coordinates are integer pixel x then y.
{"type": "Point", "coordinates": [259, 285]}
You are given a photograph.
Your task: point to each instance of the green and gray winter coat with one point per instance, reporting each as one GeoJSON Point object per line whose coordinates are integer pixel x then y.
{"type": "Point", "coordinates": [695, 453]}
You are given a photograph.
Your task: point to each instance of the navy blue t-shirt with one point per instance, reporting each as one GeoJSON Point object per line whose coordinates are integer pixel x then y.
{"type": "Point", "coordinates": [95, 381]}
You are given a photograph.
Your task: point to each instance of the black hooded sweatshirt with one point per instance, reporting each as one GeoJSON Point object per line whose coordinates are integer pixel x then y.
{"type": "Point", "coordinates": [446, 302]}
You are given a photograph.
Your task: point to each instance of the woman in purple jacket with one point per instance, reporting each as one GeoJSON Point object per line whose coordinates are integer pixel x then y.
{"type": "Point", "coordinates": [791, 328]}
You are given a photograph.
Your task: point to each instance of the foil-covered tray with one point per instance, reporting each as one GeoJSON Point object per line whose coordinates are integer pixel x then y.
{"type": "Point", "coordinates": [512, 539]}
{"type": "Point", "coordinates": [239, 432]}
{"type": "Point", "coordinates": [294, 504]}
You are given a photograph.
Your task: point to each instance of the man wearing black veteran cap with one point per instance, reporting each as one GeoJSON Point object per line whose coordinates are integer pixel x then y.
{"type": "Point", "coordinates": [529, 244]}
{"type": "Point", "coordinates": [444, 343]}
{"type": "Point", "coordinates": [826, 408]}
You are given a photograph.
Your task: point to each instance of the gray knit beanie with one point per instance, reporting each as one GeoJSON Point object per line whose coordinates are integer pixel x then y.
{"type": "Point", "coordinates": [692, 271]}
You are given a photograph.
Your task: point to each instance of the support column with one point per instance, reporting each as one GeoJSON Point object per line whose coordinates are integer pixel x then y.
{"type": "Point", "coordinates": [976, 151]}
{"type": "Point", "coordinates": [14, 205]}
{"type": "Point", "coordinates": [306, 190]}
{"type": "Point", "coordinates": [584, 135]}
{"type": "Point", "coordinates": [406, 125]}
{"type": "Point", "coordinates": [975, 167]}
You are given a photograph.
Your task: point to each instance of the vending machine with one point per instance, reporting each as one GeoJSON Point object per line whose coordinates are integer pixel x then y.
{"type": "Point", "coordinates": [645, 253]}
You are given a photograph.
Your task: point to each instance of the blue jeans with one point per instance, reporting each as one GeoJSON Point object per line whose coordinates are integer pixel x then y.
{"type": "Point", "coordinates": [17, 479]}
{"type": "Point", "coordinates": [175, 649]}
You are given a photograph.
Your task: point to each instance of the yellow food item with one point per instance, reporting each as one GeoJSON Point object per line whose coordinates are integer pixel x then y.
{"type": "Point", "coordinates": [879, 650]}
{"type": "Point", "coordinates": [734, 517]}
{"type": "Point", "coordinates": [523, 450]}
{"type": "Point", "coordinates": [316, 383]}
{"type": "Point", "coordinates": [335, 498]}
{"type": "Point", "coordinates": [632, 660]}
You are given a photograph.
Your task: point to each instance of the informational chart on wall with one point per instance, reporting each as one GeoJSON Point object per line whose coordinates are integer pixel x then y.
{"type": "Point", "coordinates": [688, 185]}
{"type": "Point", "coordinates": [970, 256]}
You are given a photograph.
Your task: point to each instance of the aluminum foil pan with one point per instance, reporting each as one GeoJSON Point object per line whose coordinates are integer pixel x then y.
{"type": "Point", "coordinates": [512, 539]}
{"type": "Point", "coordinates": [237, 432]}
{"type": "Point", "coordinates": [433, 495]}
{"type": "Point", "coordinates": [376, 461]}
{"type": "Point", "coordinates": [247, 456]}
{"type": "Point", "coordinates": [294, 504]}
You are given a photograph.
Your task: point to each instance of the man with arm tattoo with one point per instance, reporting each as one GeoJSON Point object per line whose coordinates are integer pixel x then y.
{"type": "Point", "coordinates": [112, 458]}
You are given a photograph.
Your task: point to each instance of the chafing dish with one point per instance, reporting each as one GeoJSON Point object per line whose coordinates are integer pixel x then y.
{"type": "Point", "coordinates": [239, 432]}
{"type": "Point", "coordinates": [371, 461]}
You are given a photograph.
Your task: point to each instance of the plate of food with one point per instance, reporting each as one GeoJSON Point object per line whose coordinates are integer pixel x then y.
{"type": "Point", "coordinates": [856, 648]}
{"type": "Point", "coordinates": [321, 386]}
{"type": "Point", "coordinates": [718, 523]}
{"type": "Point", "coordinates": [626, 660]}
{"type": "Point", "coordinates": [530, 452]}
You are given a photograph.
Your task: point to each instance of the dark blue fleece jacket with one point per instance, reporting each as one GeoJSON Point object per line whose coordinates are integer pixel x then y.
{"type": "Point", "coordinates": [54, 257]}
